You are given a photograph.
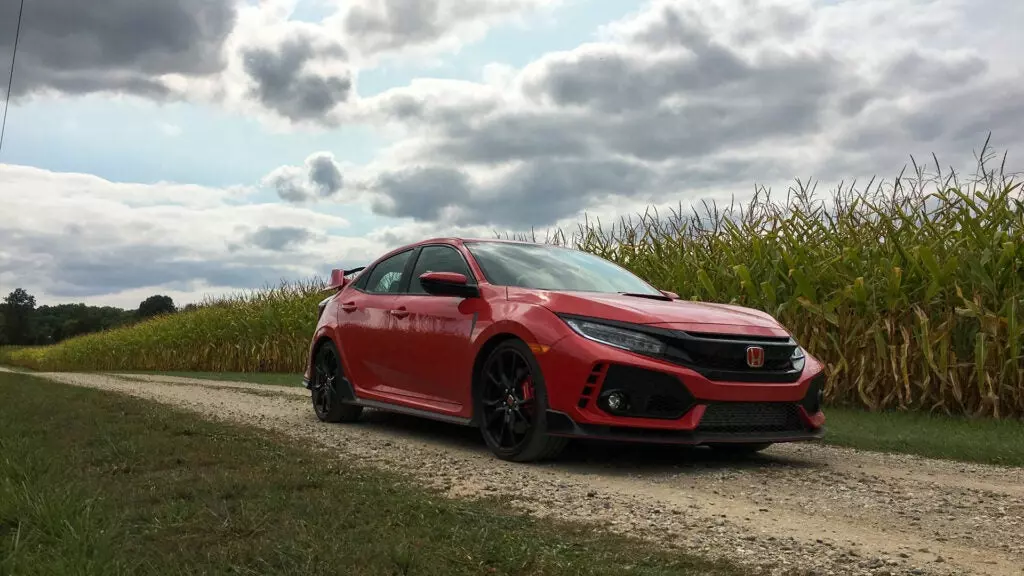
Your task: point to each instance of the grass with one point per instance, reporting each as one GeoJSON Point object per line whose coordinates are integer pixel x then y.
{"type": "Point", "coordinates": [910, 291]}
{"type": "Point", "coordinates": [983, 440]}
{"type": "Point", "coordinates": [98, 483]}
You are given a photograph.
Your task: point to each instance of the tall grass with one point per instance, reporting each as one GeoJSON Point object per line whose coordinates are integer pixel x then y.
{"type": "Point", "coordinates": [911, 292]}
{"type": "Point", "coordinates": [256, 331]}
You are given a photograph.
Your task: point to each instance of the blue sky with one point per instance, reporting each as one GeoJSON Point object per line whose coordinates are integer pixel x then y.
{"type": "Point", "coordinates": [293, 143]}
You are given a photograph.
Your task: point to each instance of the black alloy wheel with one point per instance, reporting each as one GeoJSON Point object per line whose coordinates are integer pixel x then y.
{"type": "Point", "coordinates": [328, 374]}
{"type": "Point", "coordinates": [511, 400]}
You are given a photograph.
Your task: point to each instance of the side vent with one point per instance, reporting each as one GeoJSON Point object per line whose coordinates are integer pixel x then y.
{"type": "Point", "coordinates": [592, 382]}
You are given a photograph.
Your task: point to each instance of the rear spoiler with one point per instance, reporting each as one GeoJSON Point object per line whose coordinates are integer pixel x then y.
{"type": "Point", "coordinates": [338, 277]}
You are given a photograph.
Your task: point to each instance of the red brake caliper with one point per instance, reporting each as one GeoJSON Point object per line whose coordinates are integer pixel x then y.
{"type": "Point", "coordinates": [527, 390]}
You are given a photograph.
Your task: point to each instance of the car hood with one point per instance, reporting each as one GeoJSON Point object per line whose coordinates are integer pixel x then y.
{"type": "Point", "coordinates": [675, 314]}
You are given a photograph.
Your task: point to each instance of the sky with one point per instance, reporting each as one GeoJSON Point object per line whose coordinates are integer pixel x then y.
{"type": "Point", "coordinates": [204, 147]}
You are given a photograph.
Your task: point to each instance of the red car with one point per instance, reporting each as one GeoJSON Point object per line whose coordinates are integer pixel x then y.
{"type": "Point", "coordinates": [536, 344]}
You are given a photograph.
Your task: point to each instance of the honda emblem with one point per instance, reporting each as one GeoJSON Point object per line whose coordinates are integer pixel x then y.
{"type": "Point", "coordinates": [755, 356]}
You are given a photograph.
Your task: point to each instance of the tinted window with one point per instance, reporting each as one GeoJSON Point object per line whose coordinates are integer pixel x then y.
{"type": "Point", "coordinates": [362, 279]}
{"type": "Point", "coordinates": [546, 267]}
{"type": "Point", "coordinates": [438, 259]}
{"type": "Point", "coordinates": [386, 277]}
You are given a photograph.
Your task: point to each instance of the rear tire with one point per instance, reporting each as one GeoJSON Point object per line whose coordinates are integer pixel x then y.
{"type": "Point", "coordinates": [328, 374]}
{"type": "Point", "coordinates": [511, 402]}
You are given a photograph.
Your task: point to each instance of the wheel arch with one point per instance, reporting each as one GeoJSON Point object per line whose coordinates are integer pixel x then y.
{"type": "Point", "coordinates": [323, 335]}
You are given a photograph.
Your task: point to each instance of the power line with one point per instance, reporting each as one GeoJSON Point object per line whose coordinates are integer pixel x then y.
{"type": "Point", "coordinates": [10, 80]}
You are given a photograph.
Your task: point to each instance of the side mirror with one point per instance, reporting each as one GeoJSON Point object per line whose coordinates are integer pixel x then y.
{"type": "Point", "coordinates": [448, 284]}
{"type": "Point", "coordinates": [338, 280]}
{"type": "Point", "coordinates": [671, 295]}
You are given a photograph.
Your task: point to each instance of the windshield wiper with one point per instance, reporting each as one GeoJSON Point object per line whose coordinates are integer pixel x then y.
{"type": "Point", "coordinates": [651, 296]}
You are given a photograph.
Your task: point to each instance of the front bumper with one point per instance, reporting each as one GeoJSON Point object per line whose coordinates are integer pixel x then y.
{"type": "Point", "coordinates": [669, 403]}
{"type": "Point", "coordinates": [560, 424]}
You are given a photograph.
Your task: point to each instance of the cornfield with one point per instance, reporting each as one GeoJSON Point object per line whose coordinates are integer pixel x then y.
{"type": "Point", "coordinates": [911, 292]}
{"type": "Point", "coordinates": [258, 331]}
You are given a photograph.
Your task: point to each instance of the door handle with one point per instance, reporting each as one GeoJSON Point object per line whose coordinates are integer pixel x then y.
{"type": "Point", "coordinates": [349, 306]}
{"type": "Point", "coordinates": [399, 312]}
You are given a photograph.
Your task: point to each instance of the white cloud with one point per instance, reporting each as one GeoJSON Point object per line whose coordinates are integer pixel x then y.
{"type": "Point", "coordinates": [74, 237]}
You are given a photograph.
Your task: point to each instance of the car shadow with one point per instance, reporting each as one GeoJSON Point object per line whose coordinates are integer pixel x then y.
{"type": "Point", "coordinates": [589, 456]}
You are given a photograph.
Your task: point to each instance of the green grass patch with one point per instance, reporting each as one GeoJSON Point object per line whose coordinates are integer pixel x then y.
{"type": "Point", "coordinates": [98, 483]}
{"type": "Point", "coordinates": [981, 440]}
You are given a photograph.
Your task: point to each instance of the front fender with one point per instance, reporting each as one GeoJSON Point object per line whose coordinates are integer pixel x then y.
{"type": "Point", "coordinates": [531, 323]}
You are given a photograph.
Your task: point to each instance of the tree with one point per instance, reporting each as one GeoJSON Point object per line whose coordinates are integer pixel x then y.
{"type": "Point", "coordinates": [155, 305]}
{"type": "Point", "coordinates": [18, 311]}
{"type": "Point", "coordinates": [56, 323]}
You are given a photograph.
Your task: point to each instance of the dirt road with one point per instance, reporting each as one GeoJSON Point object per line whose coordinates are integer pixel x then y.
{"type": "Point", "coordinates": [827, 510]}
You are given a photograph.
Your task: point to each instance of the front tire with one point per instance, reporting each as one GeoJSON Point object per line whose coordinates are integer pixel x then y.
{"type": "Point", "coordinates": [511, 400]}
{"type": "Point", "coordinates": [327, 374]}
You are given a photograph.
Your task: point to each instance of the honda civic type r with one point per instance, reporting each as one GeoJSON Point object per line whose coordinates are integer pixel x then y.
{"type": "Point", "coordinates": [536, 344]}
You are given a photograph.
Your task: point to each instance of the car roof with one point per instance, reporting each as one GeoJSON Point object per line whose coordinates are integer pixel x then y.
{"type": "Point", "coordinates": [463, 239]}
{"type": "Point", "coordinates": [453, 240]}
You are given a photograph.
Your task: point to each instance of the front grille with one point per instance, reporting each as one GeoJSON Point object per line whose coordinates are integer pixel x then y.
{"type": "Point", "coordinates": [651, 394]}
{"type": "Point", "coordinates": [724, 356]}
{"type": "Point", "coordinates": [746, 417]}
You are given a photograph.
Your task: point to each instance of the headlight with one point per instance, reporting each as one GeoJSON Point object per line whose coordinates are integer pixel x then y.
{"type": "Point", "coordinates": [798, 358]}
{"type": "Point", "coordinates": [618, 337]}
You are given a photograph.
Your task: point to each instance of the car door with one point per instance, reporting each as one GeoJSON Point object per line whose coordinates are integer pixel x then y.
{"type": "Point", "coordinates": [364, 321]}
{"type": "Point", "coordinates": [435, 332]}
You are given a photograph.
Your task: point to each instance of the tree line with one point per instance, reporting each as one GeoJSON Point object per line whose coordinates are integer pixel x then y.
{"type": "Point", "coordinates": [22, 323]}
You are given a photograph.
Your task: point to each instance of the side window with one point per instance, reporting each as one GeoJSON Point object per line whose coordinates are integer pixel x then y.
{"type": "Point", "coordinates": [386, 277]}
{"type": "Point", "coordinates": [362, 278]}
{"type": "Point", "coordinates": [438, 259]}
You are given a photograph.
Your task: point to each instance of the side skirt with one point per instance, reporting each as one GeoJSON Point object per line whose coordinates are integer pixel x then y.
{"type": "Point", "coordinates": [348, 395]}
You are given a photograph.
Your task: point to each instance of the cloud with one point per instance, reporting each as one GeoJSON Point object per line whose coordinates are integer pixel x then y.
{"type": "Point", "coordinates": [80, 236]}
{"type": "Point", "coordinates": [382, 26]}
{"type": "Point", "coordinates": [279, 238]}
{"type": "Point", "coordinates": [283, 80]}
{"type": "Point", "coordinates": [686, 99]}
{"type": "Point", "coordinates": [76, 47]}
{"type": "Point", "coordinates": [320, 177]}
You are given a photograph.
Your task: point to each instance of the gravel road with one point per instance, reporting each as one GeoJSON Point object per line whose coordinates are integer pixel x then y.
{"type": "Point", "coordinates": [811, 507]}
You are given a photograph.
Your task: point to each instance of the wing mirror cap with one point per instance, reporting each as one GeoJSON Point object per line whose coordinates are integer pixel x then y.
{"type": "Point", "coordinates": [448, 284]}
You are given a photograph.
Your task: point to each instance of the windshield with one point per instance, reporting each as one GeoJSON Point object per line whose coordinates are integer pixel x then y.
{"type": "Point", "coordinates": [546, 267]}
